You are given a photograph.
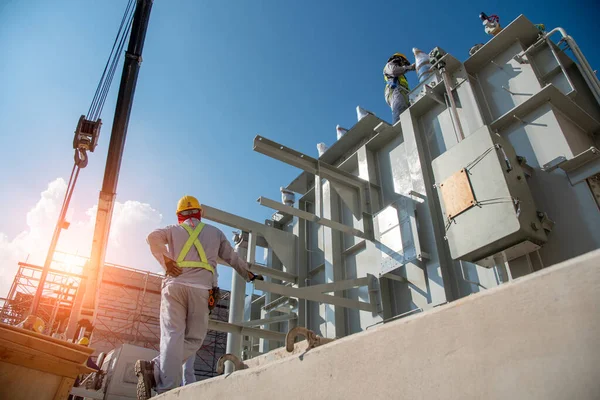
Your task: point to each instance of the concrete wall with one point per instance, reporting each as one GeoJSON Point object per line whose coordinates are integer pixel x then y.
{"type": "Point", "coordinates": [537, 337]}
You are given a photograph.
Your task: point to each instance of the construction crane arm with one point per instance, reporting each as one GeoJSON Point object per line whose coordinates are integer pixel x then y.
{"type": "Point", "coordinates": [93, 270]}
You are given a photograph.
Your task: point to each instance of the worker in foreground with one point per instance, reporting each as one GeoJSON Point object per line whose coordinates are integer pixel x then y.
{"type": "Point", "coordinates": [188, 252]}
{"type": "Point", "coordinates": [396, 85]}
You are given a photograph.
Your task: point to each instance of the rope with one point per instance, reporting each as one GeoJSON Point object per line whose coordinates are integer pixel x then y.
{"type": "Point", "coordinates": [497, 200]}
{"type": "Point", "coordinates": [476, 160]}
{"type": "Point", "coordinates": [111, 64]}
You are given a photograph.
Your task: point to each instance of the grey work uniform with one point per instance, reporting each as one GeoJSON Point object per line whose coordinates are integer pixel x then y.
{"type": "Point", "coordinates": [396, 95]}
{"type": "Point", "coordinates": [184, 299]}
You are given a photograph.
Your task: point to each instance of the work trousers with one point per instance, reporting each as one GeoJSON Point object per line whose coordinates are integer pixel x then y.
{"type": "Point", "coordinates": [189, 374]}
{"type": "Point", "coordinates": [183, 326]}
{"type": "Point", "coordinates": [398, 103]}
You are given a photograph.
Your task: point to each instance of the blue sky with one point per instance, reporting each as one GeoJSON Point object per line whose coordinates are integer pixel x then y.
{"type": "Point", "coordinates": [215, 74]}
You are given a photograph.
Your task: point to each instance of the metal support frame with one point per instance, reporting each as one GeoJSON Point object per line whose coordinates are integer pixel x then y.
{"type": "Point", "coordinates": [245, 249]}
{"type": "Point", "coordinates": [273, 273]}
{"type": "Point", "coordinates": [263, 201]}
{"type": "Point", "coordinates": [578, 168]}
{"type": "Point", "coordinates": [271, 320]}
{"type": "Point", "coordinates": [282, 304]}
{"type": "Point", "coordinates": [242, 330]}
{"type": "Point", "coordinates": [354, 191]}
{"type": "Point", "coordinates": [316, 293]}
{"type": "Point", "coordinates": [281, 242]}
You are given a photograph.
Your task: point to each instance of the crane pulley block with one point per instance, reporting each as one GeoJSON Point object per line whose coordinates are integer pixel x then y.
{"type": "Point", "coordinates": [86, 134]}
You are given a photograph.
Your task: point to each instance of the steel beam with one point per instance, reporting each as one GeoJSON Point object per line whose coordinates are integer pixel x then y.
{"type": "Point", "coordinates": [221, 326]}
{"type": "Point", "coordinates": [271, 320]}
{"type": "Point", "coordinates": [281, 242]}
{"type": "Point", "coordinates": [321, 298]}
{"type": "Point", "coordinates": [232, 220]}
{"type": "Point", "coordinates": [285, 154]}
{"type": "Point", "coordinates": [306, 163]}
{"type": "Point", "coordinates": [337, 286]}
{"type": "Point", "coordinates": [274, 273]}
{"type": "Point", "coordinates": [236, 301]}
{"type": "Point", "coordinates": [355, 248]}
{"type": "Point", "coordinates": [282, 304]}
{"type": "Point", "coordinates": [263, 201]}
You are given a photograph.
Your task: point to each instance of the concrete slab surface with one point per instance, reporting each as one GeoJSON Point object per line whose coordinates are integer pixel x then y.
{"type": "Point", "coordinates": [537, 337]}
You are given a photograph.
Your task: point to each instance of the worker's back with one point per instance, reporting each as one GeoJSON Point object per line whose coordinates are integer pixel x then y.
{"type": "Point", "coordinates": [213, 242]}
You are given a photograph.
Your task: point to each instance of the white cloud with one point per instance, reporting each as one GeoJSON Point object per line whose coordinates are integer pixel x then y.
{"type": "Point", "coordinates": [131, 223]}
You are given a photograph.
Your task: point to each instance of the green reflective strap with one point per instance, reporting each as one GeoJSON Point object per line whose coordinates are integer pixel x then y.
{"type": "Point", "coordinates": [196, 264]}
{"type": "Point", "coordinates": [201, 252]}
{"type": "Point", "coordinates": [190, 242]}
{"type": "Point", "coordinates": [193, 241]}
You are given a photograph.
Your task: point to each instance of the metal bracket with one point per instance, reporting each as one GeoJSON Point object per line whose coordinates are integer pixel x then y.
{"type": "Point", "coordinates": [527, 169]}
{"type": "Point", "coordinates": [578, 168]}
{"type": "Point", "coordinates": [553, 164]}
{"type": "Point", "coordinates": [520, 58]}
{"type": "Point", "coordinates": [429, 92]}
{"type": "Point", "coordinates": [546, 222]}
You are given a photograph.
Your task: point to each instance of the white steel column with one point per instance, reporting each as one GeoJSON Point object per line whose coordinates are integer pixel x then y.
{"type": "Point", "coordinates": [236, 304]}
{"type": "Point", "coordinates": [334, 263]}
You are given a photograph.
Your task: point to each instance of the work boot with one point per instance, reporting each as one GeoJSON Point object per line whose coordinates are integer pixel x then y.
{"type": "Point", "coordinates": [144, 370]}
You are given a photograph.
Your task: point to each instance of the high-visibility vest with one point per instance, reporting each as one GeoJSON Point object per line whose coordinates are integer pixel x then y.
{"type": "Point", "coordinates": [193, 241]}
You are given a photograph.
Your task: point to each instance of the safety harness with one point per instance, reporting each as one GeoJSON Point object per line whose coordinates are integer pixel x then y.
{"type": "Point", "coordinates": [193, 241]}
{"type": "Point", "coordinates": [395, 82]}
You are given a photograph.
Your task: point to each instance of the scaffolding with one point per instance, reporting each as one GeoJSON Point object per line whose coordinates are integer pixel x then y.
{"type": "Point", "coordinates": [215, 342]}
{"type": "Point", "coordinates": [128, 307]}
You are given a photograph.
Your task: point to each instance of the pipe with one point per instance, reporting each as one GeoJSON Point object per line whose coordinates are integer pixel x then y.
{"type": "Point", "coordinates": [587, 71]}
{"type": "Point", "coordinates": [446, 77]}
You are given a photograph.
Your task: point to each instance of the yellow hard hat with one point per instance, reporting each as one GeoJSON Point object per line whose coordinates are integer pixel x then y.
{"type": "Point", "coordinates": [84, 341]}
{"type": "Point", "coordinates": [188, 203]}
{"type": "Point", "coordinates": [397, 55]}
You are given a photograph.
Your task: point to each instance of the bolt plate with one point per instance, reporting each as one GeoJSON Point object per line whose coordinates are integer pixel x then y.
{"type": "Point", "coordinates": [457, 193]}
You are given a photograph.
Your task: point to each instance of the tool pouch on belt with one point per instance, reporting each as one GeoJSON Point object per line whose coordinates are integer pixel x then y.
{"type": "Point", "coordinates": [214, 295]}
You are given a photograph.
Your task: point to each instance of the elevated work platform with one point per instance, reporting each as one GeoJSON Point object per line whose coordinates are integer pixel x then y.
{"type": "Point", "coordinates": [536, 337]}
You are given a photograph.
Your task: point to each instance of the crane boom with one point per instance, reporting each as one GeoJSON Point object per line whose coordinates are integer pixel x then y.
{"type": "Point", "coordinates": [86, 314]}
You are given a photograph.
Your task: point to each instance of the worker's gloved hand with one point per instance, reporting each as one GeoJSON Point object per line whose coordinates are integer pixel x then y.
{"type": "Point", "coordinates": [254, 277]}
{"type": "Point", "coordinates": [412, 67]}
{"type": "Point", "coordinates": [173, 269]}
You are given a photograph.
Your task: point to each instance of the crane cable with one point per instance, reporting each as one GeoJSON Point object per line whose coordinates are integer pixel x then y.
{"type": "Point", "coordinates": [111, 64]}
{"type": "Point", "coordinates": [99, 99]}
{"type": "Point", "coordinates": [93, 116]}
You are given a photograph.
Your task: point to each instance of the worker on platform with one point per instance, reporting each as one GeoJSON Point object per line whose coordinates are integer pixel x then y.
{"type": "Point", "coordinates": [396, 85]}
{"type": "Point", "coordinates": [188, 252]}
